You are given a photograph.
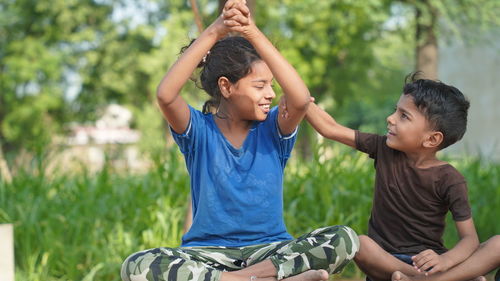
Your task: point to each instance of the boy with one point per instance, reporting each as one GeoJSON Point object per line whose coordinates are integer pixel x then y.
{"type": "Point", "coordinates": [413, 189]}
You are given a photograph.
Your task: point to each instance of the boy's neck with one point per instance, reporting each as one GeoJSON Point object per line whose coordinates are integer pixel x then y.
{"type": "Point", "coordinates": [424, 159]}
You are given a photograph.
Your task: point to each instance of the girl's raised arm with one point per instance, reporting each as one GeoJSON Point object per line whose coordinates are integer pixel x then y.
{"type": "Point", "coordinates": [173, 106]}
{"type": "Point", "coordinates": [295, 90]}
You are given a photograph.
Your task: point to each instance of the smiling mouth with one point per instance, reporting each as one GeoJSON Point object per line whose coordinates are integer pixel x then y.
{"type": "Point", "coordinates": [265, 107]}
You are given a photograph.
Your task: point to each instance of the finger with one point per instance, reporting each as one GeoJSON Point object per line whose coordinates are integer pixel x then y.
{"type": "Point", "coordinates": [421, 258]}
{"type": "Point", "coordinates": [312, 99]}
{"type": "Point", "coordinates": [423, 261]}
{"type": "Point", "coordinates": [239, 18]}
{"type": "Point", "coordinates": [231, 13]}
{"type": "Point", "coordinates": [433, 270]}
{"type": "Point", "coordinates": [232, 23]}
{"type": "Point", "coordinates": [426, 266]}
{"type": "Point", "coordinates": [243, 8]}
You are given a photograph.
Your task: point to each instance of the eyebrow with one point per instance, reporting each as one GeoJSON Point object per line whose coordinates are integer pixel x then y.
{"type": "Point", "coordinates": [405, 111]}
{"type": "Point", "coordinates": [263, 80]}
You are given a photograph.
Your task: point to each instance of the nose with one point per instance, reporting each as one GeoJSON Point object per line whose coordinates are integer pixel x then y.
{"type": "Point", "coordinates": [270, 94]}
{"type": "Point", "coordinates": [390, 119]}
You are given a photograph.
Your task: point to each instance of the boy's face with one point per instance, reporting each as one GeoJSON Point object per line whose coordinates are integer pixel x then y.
{"type": "Point", "coordinates": [407, 127]}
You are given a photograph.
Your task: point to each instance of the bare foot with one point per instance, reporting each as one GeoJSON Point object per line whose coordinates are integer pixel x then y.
{"type": "Point", "coordinates": [310, 275]}
{"type": "Point", "coordinates": [399, 276]}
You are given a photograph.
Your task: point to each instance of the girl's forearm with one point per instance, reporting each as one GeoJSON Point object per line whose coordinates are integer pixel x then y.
{"type": "Point", "coordinates": [172, 83]}
{"type": "Point", "coordinates": [297, 93]}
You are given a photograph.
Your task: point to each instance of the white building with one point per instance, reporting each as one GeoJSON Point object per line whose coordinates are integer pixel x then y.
{"type": "Point", "coordinates": [475, 70]}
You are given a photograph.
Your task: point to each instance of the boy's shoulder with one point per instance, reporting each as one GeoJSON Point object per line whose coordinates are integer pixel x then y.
{"type": "Point", "coordinates": [446, 176]}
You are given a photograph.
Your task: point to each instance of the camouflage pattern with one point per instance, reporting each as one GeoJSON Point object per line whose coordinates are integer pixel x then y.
{"type": "Point", "coordinates": [329, 248]}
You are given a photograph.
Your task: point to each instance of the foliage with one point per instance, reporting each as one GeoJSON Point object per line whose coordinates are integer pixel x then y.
{"type": "Point", "coordinates": [61, 61]}
{"type": "Point", "coordinates": [82, 227]}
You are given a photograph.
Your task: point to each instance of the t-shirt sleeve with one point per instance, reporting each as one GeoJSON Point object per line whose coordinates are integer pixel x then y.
{"type": "Point", "coordinates": [368, 143]}
{"type": "Point", "coordinates": [186, 139]}
{"type": "Point", "coordinates": [285, 142]}
{"type": "Point", "coordinates": [458, 201]}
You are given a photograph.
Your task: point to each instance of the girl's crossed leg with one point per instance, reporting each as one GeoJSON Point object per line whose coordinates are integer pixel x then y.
{"type": "Point", "coordinates": [312, 256]}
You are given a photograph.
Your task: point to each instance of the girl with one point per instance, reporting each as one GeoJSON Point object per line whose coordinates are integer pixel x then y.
{"type": "Point", "coordinates": [235, 158]}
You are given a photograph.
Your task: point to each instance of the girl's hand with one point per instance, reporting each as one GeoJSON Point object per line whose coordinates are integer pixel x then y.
{"type": "Point", "coordinates": [218, 26]}
{"type": "Point", "coordinates": [238, 19]}
{"type": "Point", "coordinates": [430, 262]}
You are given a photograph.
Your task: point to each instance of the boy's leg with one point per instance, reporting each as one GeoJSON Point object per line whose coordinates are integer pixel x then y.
{"type": "Point", "coordinates": [484, 259]}
{"type": "Point", "coordinates": [180, 264]}
{"type": "Point", "coordinates": [329, 248]}
{"type": "Point", "coordinates": [378, 264]}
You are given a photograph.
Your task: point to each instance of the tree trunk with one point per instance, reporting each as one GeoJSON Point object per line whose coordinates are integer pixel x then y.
{"type": "Point", "coordinates": [197, 16]}
{"type": "Point", "coordinates": [427, 46]}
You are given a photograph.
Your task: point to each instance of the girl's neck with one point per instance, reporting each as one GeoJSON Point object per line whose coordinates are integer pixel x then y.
{"type": "Point", "coordinates": [235, 131]}
{"type": "Point", "coordinates": [228, 123]}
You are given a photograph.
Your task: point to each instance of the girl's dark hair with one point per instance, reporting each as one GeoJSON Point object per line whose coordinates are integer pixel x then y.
{"type": "Point", "coordinates": [231, 57]}
{"type": "Point", "coordinates": [444, 106]}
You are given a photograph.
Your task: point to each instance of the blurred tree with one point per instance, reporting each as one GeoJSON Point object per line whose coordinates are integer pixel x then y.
{"type": "Point", "coordinates": [330, 43]}
{"type": "Point", "coordinates": [38, 44]}
{"type": "Point", "coordinates": [441, 18]}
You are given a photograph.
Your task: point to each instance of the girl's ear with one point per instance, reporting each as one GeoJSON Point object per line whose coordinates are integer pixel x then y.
{"type": "Point", "coordinates": [224, 86]}
{"type": "Point", "coordinates": [433, 140]}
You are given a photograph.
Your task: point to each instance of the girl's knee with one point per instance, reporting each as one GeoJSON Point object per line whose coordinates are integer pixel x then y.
{"type": "Point", "coordinates": [124, 272]}
{"type": "Point", "coordinates": [137, 264]}
{"type": "Point", "coordinates": [351, 238]}
{"type": "Point", "coordinates": [346, 235]}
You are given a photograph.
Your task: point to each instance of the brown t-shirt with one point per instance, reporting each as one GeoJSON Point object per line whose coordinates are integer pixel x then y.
{"type": "Point", "coordinates": [410, 203]}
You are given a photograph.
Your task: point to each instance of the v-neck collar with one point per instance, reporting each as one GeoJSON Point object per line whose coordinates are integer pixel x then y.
{"type": "Point", "coordinates": [235, 150]}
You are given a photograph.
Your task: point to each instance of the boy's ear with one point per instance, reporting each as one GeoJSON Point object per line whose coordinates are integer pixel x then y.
{"type": "Point", "coordinates": [224, 86]}
{"type": "Point", "coordinates": [434, 139]}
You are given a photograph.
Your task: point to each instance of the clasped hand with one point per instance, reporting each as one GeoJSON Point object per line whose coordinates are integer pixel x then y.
{"type": "Point", "coordinates": [430, 262]}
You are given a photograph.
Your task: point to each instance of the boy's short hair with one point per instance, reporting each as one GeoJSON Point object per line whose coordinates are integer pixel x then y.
{"type": "Point", "coordinates": [444, 106]}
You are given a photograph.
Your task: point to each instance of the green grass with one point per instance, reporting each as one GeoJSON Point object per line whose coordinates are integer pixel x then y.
{"type": "Point", "coordinates": [82, 227]}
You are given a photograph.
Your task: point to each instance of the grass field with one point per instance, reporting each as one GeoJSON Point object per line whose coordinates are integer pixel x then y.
{"type": "Point", "coordinates": [81, 227]}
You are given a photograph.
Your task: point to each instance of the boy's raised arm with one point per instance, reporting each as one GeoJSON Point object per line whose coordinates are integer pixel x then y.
{"type": "Point", "coordinates": [326, 126]}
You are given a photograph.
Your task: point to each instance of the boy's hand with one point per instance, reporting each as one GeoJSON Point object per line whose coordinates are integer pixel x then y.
{"type": "Point", "coordinates": [430, 262]}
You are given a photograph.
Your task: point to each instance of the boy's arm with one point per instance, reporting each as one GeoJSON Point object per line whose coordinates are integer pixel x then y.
{"type": "Point", "coordinates": [463, 249]}
{"type": "Point", "coordinates": [295, 90]}
{"type": "Point", "coordinates": [328, 127]}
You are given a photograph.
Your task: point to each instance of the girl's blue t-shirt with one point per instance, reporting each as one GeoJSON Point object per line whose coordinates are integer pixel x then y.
{"type": "Point", "coordinates": [237, 193]}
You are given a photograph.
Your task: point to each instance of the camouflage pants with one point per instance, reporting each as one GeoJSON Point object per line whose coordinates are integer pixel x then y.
{"type": "Point", "coordinates": [329, 248]}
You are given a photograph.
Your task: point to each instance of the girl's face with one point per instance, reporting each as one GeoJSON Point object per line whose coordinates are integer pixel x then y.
{"type": "Point", "coordinates": [407, 127]}
{"type": "Point", "coordinates": [252, 95]}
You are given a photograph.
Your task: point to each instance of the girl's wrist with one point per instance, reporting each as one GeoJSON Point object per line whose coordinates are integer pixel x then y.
{"type": "Point", "coordinates": [216, 29]}
{"type": "Point", "coordinates": [252, 33]}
